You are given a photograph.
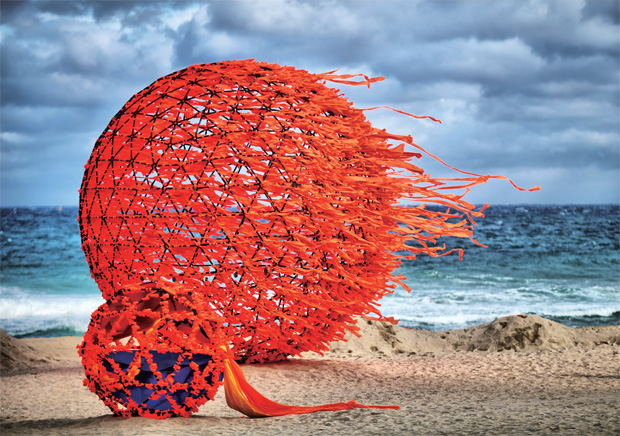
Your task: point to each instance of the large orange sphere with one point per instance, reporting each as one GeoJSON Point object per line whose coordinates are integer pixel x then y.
{"type": "Point", "coordinates": [265, 191]}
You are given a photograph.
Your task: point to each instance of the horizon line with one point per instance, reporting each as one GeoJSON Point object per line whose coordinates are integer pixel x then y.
{"type": "Point", "coordinates": [402, 205]}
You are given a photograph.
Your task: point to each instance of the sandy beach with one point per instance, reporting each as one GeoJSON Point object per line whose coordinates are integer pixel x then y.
{"type": "Point", "coordinates": [513, 376]}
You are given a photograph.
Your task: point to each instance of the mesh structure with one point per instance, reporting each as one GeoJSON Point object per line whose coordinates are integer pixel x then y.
{"type": "Point", "coordinates": [263, 200]}
{"type": "Point", "coordinates": [149, 352]}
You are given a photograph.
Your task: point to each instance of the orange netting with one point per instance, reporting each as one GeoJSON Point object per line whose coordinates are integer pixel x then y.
{"type": "Point", "coordinates": [265, 201]}
{"type": "Point", "coordinates": [154, 352]}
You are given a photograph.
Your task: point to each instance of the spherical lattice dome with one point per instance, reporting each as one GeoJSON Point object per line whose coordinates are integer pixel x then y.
{"type": "Point", "coordinates": [265, 191]}
{"type": "Point", "coordinates": [150, 352]}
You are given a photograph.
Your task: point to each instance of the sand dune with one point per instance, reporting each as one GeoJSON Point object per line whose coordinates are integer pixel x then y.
{"type": "Point", "coordinates": [21, 354]}
{"type": "Point", "coordinates": [514, 375]}
{"type": "Point", "coordinates": [516, 333]}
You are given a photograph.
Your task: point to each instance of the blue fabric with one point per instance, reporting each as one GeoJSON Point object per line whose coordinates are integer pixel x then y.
{"type": "Point", "coordinates": [165, 363]}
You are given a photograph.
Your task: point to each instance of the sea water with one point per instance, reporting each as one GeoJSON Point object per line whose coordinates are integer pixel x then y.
{"type": "Point", "coordinates": [561, 262]}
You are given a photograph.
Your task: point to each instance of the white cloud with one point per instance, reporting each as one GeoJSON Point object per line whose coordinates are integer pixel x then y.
{"type": "Point", "coordinates": [221, 44]}
{"type": "Point", "coordinates": [12, 137]}
{"type": "Point", "coordinates": [588, 138]}
{"type": "Point", "coordinates": [177, 17]}
{"type": "Point", "coordinates": [291, 17]}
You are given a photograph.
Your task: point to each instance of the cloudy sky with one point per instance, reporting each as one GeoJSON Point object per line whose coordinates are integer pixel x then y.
{"type": "Point", "coordinates": [527, 89]}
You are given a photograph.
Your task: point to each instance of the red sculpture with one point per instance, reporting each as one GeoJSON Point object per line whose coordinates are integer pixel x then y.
{"type": "Point", "coordinates": [265, 200]}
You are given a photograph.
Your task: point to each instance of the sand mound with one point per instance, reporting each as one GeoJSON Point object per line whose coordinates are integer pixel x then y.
{"type": "Point", "coordinates": [516, 333]}
{"type": "Point", "coordinates": [20, 354]}
{"type": "Point", "coordinates": [15, 354]}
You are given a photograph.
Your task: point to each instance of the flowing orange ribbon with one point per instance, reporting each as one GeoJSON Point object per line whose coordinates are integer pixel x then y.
{"type": "Point", "coordinates": [241, 396]}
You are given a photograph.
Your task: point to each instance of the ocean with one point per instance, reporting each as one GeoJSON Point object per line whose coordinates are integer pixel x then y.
{"type": "Point", "coordinates": [560, 262]}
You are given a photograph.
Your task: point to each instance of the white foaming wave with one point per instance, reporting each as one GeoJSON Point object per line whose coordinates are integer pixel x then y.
{"type": "Point", "coordinates": [447, 313]}
{"type": "Point", "coordinates": [28, 306]}
{"type": "Point", "coordinates": [603, 311]}
{"type": "Point", "coordinates": [462, 319]}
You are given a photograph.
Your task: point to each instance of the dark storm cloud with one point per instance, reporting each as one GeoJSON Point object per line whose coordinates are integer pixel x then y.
{"type": "Point", "coordinates": [100, 11]}
{"type": "Point", "coordinates": [605, 10]}
{"type": "Point", "coordinates": [527, 88]}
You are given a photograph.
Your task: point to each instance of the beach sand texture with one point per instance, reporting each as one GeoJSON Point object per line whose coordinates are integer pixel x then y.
{"type": "Point", "coordinates": [513, 376]}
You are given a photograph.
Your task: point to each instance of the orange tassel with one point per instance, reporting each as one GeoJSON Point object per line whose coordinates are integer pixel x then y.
{"type": "Point", "coordinates": [241, 396]}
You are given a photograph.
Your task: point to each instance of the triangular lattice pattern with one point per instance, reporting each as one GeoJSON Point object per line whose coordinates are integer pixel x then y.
{"type": "Point", "coordinates": [266, 192]}
{"type": "Point", "coordinates": [153, 352]}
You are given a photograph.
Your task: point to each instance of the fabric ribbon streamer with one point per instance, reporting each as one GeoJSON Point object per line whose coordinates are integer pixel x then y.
{"type": "Point", "coordinates": [241, 396]}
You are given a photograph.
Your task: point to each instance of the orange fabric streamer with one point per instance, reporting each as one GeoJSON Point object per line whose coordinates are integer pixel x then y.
{"type": "Point", "coordinates": [419, 117]}
{"type": "Point", "coordinates": [241, 396]}
{"type": "Point", "coordinates": [342, 78]}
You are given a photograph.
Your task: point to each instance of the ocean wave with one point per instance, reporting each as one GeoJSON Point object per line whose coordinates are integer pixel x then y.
{"type": "Point", "coordinates": [587, 320]}
{"type": "Point", "coordinates": [601, 312]}
{"type": "Point", "coordinates": [28, 305]}
{"type": "Point", "coordinates": [53, 331]}
{"type": "Point", "coordinates": [462, 321]}
{"type": "Point", "coordinates": [457, 312]}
